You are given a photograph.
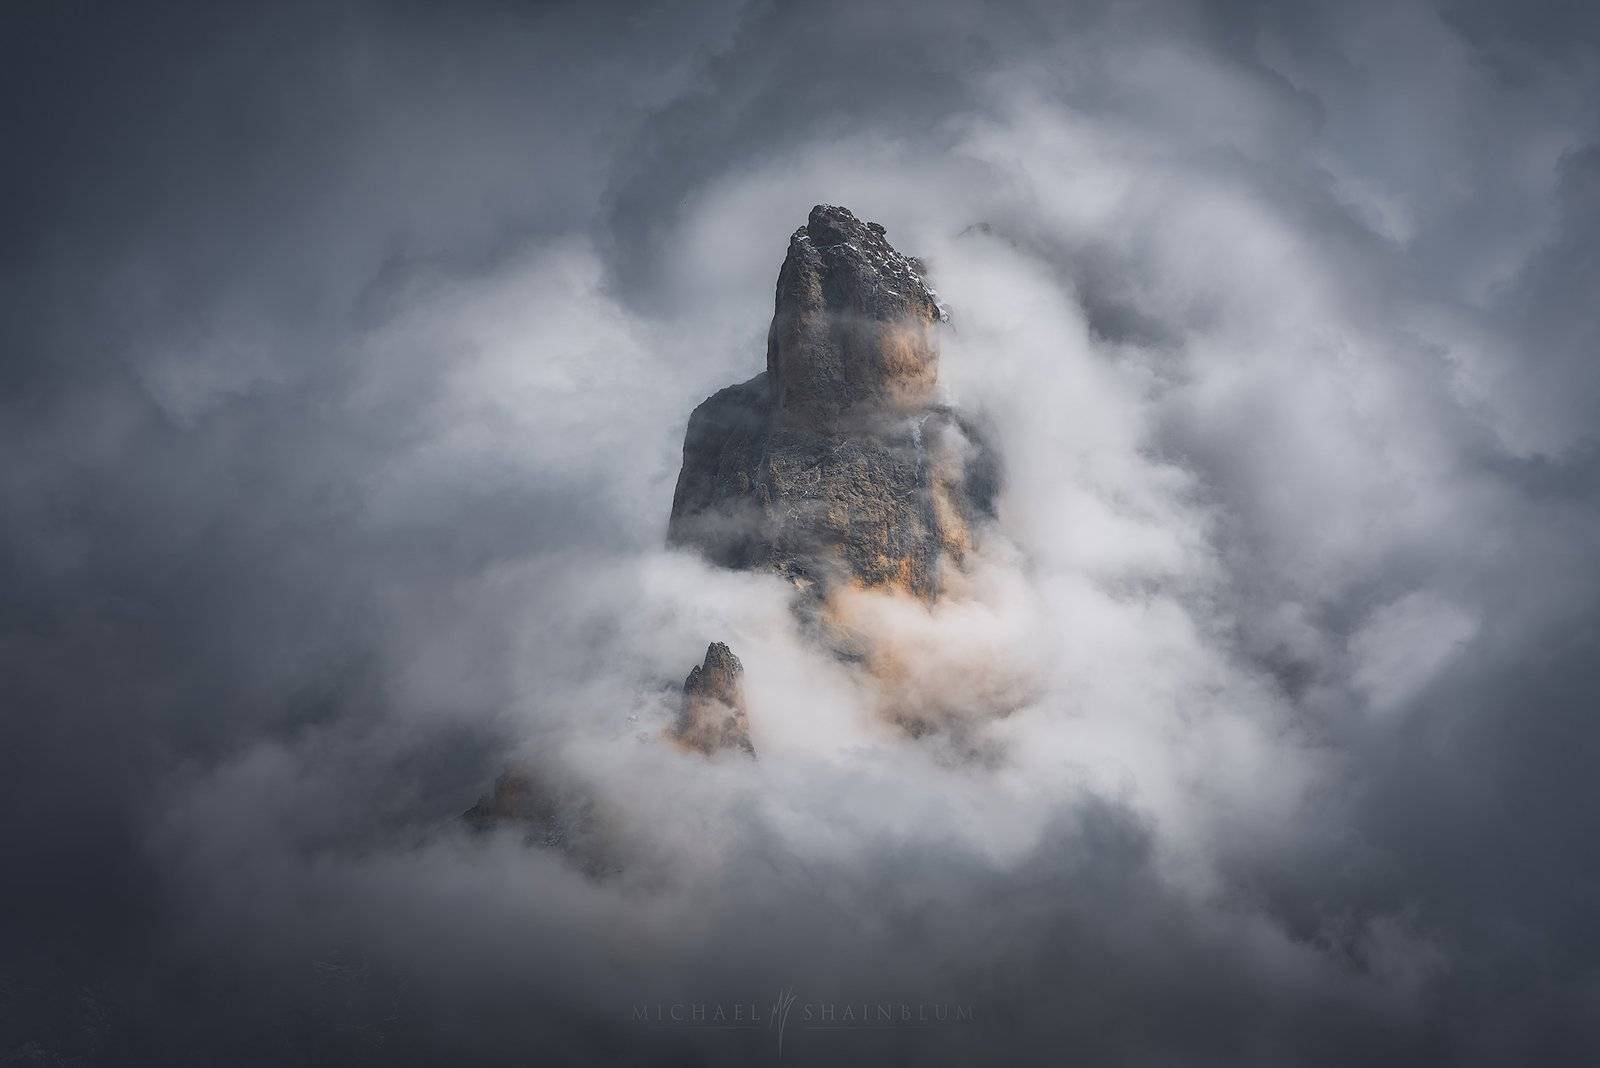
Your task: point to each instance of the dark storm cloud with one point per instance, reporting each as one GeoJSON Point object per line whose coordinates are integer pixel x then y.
{"type": "Point", "coordinates": [346, 353]}
{"type": "Point", "coordinates": [213, 199]}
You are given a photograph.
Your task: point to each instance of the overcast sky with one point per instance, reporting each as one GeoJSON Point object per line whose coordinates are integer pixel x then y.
{"type": "Point", "coordinates": [347, 353]}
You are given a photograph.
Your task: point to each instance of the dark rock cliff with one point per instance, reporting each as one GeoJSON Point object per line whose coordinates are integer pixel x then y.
{"type": "Point", "coordinates": [837, 464]}
{"type": "Point", "coordinates": [713, 712]}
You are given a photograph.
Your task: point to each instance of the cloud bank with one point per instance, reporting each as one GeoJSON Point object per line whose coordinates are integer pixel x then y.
{"type": "Point", "coordinates": [349, 355]}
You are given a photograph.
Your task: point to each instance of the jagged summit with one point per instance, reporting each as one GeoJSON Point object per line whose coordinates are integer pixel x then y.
{"type": "Point", "coordinates": [713, 713]}
{"type": "Point", "coordinates": [851, 334]}
{"type": "Point", "coordinates": [861, 271]}
{"type": "Point", "coordinates": [838, 464]}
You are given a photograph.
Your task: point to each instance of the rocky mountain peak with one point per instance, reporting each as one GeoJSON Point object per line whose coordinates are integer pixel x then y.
{"type": "Point", "coordinates": [859, 270]}
{"type": "Point", "coordinates": [851, 335]}
{"type": "Point", "coordinates": [838, 464]}
{"type": "Point", "coordinates": [713, 716]}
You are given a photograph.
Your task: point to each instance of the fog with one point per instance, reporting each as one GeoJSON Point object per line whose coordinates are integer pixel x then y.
{"type": "Point", "coordinates": [349, 355]}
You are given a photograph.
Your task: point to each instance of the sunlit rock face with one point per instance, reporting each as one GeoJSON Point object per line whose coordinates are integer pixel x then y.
{"type": "Point", "coordinates": [838, 465]}
{"type": "Point", "coordinates": [713, 713]}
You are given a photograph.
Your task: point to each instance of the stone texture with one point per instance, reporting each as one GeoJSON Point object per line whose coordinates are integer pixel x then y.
{"type": "Point", "coordinates": [837, 464]}
{"type": "Point", "coordinates": [852, 327]}
{"type": "Point", "coordinates": [713, 713]}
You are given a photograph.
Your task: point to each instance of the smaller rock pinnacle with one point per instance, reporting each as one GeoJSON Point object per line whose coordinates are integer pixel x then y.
{"type": "Point", "coordinates": [713, 713]}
